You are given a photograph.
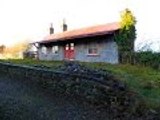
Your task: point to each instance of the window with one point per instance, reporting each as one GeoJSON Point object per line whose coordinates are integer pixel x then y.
{"type": "Point", "coordinates": [72, 46]}
{"type": "Point", "coordinates": [44, 50]}
{"type": "Point", "coordinates": [92, 50]}
{"type": "Point", "coordinates": [55, 49]}
{"type": "Point", "coordinates": [67, 47]}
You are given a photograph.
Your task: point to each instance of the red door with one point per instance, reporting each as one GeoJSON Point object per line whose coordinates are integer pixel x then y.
{"type": "Point", "coordinates": [69, 51]}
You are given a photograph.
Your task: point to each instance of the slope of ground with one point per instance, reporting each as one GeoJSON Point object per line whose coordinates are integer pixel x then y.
{"type": "Point", "coordinates": [20, 101]}
{"type": "Point", "coordinates": [144, 81]}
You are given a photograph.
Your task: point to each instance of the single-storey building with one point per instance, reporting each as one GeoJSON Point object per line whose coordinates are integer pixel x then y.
{"type": "Point", "coordinates": [91, 44]}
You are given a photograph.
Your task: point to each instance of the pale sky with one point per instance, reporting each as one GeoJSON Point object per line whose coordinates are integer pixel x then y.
{"type": "Point", "coordinates": [30, 19]}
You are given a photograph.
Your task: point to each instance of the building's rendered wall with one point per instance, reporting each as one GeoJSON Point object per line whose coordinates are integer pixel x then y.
{"type": "Point", "coordinates": [107, 51]}
{"type": "Point", "coordinates": [50, 55]}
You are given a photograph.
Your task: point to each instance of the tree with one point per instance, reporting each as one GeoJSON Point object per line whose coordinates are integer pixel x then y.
{"type": "Point", "coordinates": [16, 50]}
{"type": "Point", "coordinates": [127, 34]}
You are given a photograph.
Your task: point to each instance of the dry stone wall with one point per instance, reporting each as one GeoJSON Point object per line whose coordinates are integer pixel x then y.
{"type": "Point", "coordinates": [97, 87]}
{"type": "Point", "coordinates": [102, 90]}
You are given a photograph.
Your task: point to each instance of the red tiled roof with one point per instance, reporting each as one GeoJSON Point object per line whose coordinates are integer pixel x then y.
{"type": "Point", "coordinates": [83, 32]}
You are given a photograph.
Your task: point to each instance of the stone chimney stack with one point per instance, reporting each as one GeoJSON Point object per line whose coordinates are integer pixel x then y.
{"type": "Point", "coordinates": [64, 25]}
{"type": "Point", "coordinates": [51, 29]}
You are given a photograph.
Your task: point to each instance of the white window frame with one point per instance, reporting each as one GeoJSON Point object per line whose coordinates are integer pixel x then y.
{"type": "Point", "coordinates": [44, 50]}
{"type": "Point", "coordinates": [55, 49]}
{"type": "Point", "coordinates": [91, 47]}
{"type": "Point", "coordinates": [71, 46]}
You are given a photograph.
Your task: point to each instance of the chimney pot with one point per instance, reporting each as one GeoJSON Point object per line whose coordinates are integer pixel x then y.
{"type": "Point", "coordinates": [64, 25]}
{"type": "Point", "coordinates": [51, 29]}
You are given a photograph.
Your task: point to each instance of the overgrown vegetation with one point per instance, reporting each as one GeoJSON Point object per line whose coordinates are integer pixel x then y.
{"type": "Point", "coordinates": [145, 81]}
{"type": "Point", "coordinates": [126, 36]}
{"type": "Point", "coordinates": [148, 58]}
{"type": "Point", "coordinates": [143, 58]}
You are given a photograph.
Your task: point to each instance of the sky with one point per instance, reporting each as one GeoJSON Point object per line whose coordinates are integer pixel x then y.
{"type": "Point", "coordinates": [30, 19]}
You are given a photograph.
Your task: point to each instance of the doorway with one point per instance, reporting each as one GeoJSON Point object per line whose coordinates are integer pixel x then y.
{"type": "Point", "coordinates": [69, 53]}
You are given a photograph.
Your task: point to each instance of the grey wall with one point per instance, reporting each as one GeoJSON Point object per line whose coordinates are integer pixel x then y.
{"type": "Point", "coordinates": [50, 55]}
{"type": "Point", "coordinates": [107, 51]}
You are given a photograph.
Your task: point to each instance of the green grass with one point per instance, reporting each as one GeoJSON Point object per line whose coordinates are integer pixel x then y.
{"type": "Point", "coordinates": [31, 62]}
{"type": "Point", "coordinates": [143, 80]}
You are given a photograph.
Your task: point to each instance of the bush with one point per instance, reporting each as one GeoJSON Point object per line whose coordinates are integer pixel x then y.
{"type": "Point", "coordinates": [145, 58]}
{"type": "Point", "coordinates": [148, 58]}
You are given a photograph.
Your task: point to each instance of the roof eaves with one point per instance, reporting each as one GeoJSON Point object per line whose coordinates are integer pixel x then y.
{"type": "Point", "coordinates": [77, 37]}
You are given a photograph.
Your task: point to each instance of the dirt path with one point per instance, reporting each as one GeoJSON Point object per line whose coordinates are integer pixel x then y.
{"type": "Point", "coordinates": [19, 101]}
